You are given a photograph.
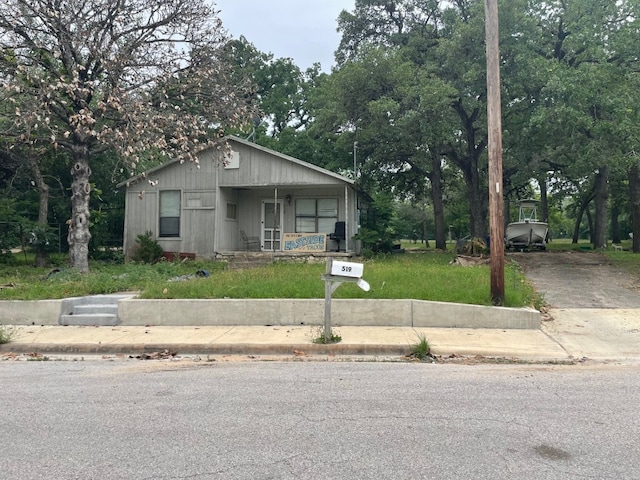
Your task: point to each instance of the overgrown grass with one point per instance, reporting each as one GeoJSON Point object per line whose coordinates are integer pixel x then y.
{"type": "Point", "coordinates": [424, 276]}
{"type": "Point", "coordinates": [28, 283]}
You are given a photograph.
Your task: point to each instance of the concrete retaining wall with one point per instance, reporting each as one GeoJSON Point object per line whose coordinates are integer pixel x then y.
{"type": "Point", "coordinates": [38, 312]}
{"type": "Point", "coordinates": [400, 313]}
{"type": "Point", "coordinates": [358, 312]}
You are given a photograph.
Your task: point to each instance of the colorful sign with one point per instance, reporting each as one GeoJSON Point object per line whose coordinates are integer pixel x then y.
{"type": "Point", "coordinates": [304, 242]}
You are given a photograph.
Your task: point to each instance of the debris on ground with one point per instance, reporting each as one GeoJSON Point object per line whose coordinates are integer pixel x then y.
{"type": "Point", "coordinates": [198, 274]}
{"type": "Point", "coordinates": [467, 261]}
{"type": "Point", "coordinates": [165, 354]}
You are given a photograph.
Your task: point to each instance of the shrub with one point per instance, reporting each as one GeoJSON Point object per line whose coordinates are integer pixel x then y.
{"type": "Point", "coordinates": [8, 258]}
{"type": "Point", "coordinates": [147, 249]}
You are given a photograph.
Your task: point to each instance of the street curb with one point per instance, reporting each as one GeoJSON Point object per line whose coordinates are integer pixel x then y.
{"type": "Point", "coordinates": [213, 349]}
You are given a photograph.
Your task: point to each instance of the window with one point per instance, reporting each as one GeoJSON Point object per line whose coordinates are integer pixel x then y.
{"type": "Point", "coordinates": [316, 215]}
{"type": "Point", "coordinates": [232, 211]}
{"type": "Point", "coordinates": [233, 161]}
{"type": "Point", "coordinates": [170, 213]}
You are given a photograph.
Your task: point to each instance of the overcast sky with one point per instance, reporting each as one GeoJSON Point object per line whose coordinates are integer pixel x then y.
{"type": "Point", "coordinates": [304, 30]}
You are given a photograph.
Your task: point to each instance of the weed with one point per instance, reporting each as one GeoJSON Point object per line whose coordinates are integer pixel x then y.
{"type": "Point", "coordinates": [318, 336]}
{"type": "Point", "coordinates": [6, 334]}
{"type": "Point", "coordinates": [421, 349]}
{"type": "Point", "coordinates": [36, 357]}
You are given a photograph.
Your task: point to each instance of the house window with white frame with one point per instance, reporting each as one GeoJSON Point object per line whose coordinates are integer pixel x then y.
{"type": "Point", "coordinates": [316, 215]}
{"type": "Point", "coordinates": [169, 213]}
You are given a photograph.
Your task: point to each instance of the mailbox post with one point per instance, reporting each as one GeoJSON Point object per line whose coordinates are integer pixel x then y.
{"type": "Point", "coordinates": [336, 273]}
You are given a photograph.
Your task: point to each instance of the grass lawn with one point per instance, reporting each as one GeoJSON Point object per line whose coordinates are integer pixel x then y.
{"type": "Point", "coordinates": [424, 275]}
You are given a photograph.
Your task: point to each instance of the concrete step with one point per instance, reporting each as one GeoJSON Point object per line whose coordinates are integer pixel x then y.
{"type": "Point", "coordinates": [90, 319]}
{"type": "Point", "coordinates": [98, 310]}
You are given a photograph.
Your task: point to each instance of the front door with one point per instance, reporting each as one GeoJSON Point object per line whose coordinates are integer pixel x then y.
{"type": "Point", "coordinates": [271, 225]}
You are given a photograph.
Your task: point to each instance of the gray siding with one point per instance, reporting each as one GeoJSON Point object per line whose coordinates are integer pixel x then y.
{"type": "Point", "coordinates": [206, 191]}
{"type": "Point", "coordinates": [259, 168]}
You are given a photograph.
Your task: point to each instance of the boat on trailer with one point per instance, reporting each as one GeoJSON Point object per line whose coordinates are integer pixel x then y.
{"type": "Point", "coordinates": [528, 231]}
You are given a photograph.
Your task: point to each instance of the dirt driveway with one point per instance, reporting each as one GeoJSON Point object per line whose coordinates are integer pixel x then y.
{"type": "Point", "coordinates": [579, 279]}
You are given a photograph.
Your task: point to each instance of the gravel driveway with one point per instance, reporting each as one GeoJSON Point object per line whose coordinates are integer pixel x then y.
{"type": "Point", "coordinates": [579, 279]}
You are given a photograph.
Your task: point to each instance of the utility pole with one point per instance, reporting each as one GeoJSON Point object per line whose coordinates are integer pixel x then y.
{"type": "Point", "coordinates": [356, 217]}
{"type": "Point", "coordinates": [494, 119]}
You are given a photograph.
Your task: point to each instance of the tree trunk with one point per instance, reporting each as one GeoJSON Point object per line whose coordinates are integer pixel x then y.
{"type": "Point", "coordinates": [576, 226]}
{"type": "Point", "coordinates": [584, 204]}
{"type": "Point", "coordinates": [590, 223]}
{"type": "Point", "coordinates": [438, 204]}
{"type": "Point", "coordinates": [478, 210]}
{"type": "Point", "coordinates": [79, 235]}
{"type": "Point", "coordinates": [468, 162]}
{"type": "Point", "coordinates": [425, 233]}
{"type": "Point", "coordinates": [601, 210]}
{"type": "Point", "coordinates": [634, 196]}
{"type": "Point", "coordinates": [41, 259]}
{"type": "Point", "coordinates": [615, 225]}
{"type": "Point", "coordinates": [544, 201]}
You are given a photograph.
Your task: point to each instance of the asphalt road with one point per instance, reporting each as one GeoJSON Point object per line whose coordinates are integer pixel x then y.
{"type": "Point", "coordinates": [176, 420]}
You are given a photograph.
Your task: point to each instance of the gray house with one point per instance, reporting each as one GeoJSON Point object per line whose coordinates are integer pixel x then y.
{"type": "Point", "coordinates": [251, 199]}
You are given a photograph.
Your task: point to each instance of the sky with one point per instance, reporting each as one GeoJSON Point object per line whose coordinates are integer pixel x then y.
{"type": "Point", "coordinates": [304, 30]}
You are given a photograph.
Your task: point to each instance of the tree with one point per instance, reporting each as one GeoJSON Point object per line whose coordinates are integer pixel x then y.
{"type": "Point", "coordinates": [442, 43]}
{"type": "Point", "coordinates": [137, 76]}
{"type": "Point", "coordinates": [281, 89]}
{"type": "Point", "coordinates": [585, 107]}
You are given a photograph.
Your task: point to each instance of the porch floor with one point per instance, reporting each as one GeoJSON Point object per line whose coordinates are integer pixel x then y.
{"type": "Point", "coordinates": [232, 253]}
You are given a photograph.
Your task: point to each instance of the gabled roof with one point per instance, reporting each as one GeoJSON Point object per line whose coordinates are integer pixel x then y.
{"type": "Point", "coordinates": [231, 138]}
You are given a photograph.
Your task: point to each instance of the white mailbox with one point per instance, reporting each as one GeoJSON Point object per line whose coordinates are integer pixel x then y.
{"type": "Point", "coordinates": [347, 269]}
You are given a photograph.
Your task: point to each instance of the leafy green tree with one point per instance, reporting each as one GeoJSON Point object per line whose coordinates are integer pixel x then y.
{"type": "Point", "coordinates": [437, 47]}
{"type": "Point", "coordinates": [376, 232]}
{"type": "Point", "coordinates": [279, 88]}
{"type": "Point", "coordinates": [411, 222]}
{"type": "Point", "coordinates": [581, 109]}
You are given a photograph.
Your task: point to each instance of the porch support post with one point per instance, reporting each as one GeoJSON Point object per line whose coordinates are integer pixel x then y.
{"type": "Point", "coordinates": [346, 218]}
{"type": "Point", "coordinates": [216, 210]}
{"type": "Point", "coordinates": [275, 217]}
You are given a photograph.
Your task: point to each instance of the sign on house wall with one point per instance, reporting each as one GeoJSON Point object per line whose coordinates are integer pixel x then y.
{"type": "Point", "coordinates": [305, 242]}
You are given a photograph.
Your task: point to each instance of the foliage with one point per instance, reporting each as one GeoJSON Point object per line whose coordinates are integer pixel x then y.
{"type": "Point", "coordinates": [6, 334]}
{"type": "Point", "coordinates": [11, 227]}
{"type": "Point", "coordinates": [421, 349]}
{"type": "Point", "coordinates": [147, 249]}
{"type": "Point", "coordinates": [376, 233]}
{"type": "Point", "coordinates": [42, 238]}
{"type": "Point", "coordinates": [410, 221]}
{"type": "Point", "coordinates": [320, 338]}
{"type": "Point", "coordinates": [73, 75]}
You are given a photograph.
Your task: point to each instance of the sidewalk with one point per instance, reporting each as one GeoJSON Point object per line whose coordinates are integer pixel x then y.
{"type": "Point", "coordinates": [575, 334]}
{"type": "Point", "coordinates": [278, 340]}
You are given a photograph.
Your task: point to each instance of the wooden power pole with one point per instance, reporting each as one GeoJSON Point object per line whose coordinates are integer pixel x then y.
{"type": "Point", "coordinates": [494, 119]}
